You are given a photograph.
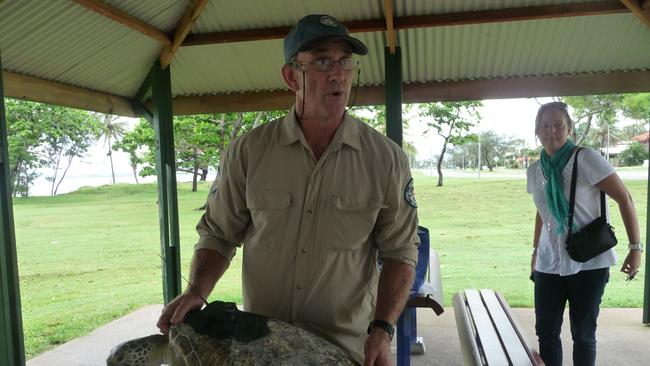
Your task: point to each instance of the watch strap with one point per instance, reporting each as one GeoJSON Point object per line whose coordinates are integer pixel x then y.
{"type": "Point", "coordinates": [388, 327]}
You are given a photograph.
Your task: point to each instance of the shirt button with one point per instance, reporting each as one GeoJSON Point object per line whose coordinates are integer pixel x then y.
{"type": "Point", "coordinates": [304, 250]}
{"type": "Point", "coordinates": [309, 212]}
{"type": "Point", "coordinates": [299, 287]}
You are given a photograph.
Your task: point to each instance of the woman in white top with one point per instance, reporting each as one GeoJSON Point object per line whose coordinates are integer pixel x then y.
{"type": "Point", "coordinates": [557, 277]}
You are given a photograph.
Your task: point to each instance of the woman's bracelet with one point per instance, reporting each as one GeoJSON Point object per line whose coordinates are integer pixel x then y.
{"type": "Point", "coordinates": [635, 246]}
{"type": "Point", "coordinates": [534, 250]}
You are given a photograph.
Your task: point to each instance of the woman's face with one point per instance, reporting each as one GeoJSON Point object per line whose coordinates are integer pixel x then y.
{"type": "Point", "coordinates": [553, 130]}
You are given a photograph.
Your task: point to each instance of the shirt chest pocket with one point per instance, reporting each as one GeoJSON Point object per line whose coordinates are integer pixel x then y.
{"type": "Point", "coordinates": [348, 223]}
{"type": "Point", "coordinates": [269, 217]}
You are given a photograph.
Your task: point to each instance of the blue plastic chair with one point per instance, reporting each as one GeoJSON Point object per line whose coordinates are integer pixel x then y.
{"type": "Point", "coordinates": [425, 293]}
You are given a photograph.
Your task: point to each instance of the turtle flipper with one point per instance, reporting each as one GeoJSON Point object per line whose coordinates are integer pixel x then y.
{"type": "Point", "coordinates": [145, 351]}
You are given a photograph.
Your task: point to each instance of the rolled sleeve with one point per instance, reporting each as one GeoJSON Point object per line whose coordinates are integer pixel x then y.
{"type": "Point", "coordinates": [223, 225]}
{"type": "Point", "coordinates": [396, 227]}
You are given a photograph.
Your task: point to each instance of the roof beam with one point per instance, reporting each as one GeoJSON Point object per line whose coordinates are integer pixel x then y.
{"type": "Point", "coordinates": [193, 11]}
{"type": "Point", "coordinates": [122, 17]}
{"type": "Point", "coordinates": [426, 21]}
{"type": "Point", "coordinates": [39, 90]}
{"type": "Point", "coordinates": [390, 30]}
{"type": "Point", "coordinates": [235, 102]}
{"type": "Point", "coordinates": [640, 8]}
{"type": "Point", "coordinates": [527, 87]}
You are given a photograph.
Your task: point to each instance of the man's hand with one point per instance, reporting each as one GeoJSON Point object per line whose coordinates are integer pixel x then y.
{"type": "Point", "coordinates": [175, 311]}
{"type": "Point", "coordinates": [377, 349]}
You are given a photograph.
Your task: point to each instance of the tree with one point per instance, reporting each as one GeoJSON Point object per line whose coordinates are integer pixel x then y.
{"type": "Point", "coordinates": [69, 135]}
{"type": "Point", "coordinates": [42, 135]}
{"type": "Point", "coordinates": [111, 128]}
{"type": "Point", "coordinates": [199, 141]}
{"type": "Point", "coordinates": [635, 154]}
{"type": "Point", "coordinates": [500, 150]}
{"type": "Point", "coordinates": [140, 138]}
{"type": "Point", "coordinates": [375, 116]}
{"type": "Point", "coordinates": [463, 156]}
{"type": "Point", "coordinates": [451, 121]}
{"type": "Point", "coordinates": [637, 107]}
{"type": "Point", "coordinates": [24, 123]}
{"type": "Point", "coordinates": [595, 119]}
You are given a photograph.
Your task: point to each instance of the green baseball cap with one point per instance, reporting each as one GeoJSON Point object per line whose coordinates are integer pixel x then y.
{"type": "Point", "coordinates": [318, 26]}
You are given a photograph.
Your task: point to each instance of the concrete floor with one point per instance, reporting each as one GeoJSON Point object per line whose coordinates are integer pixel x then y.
{"type": "Point", "coordinates": [622, 339]}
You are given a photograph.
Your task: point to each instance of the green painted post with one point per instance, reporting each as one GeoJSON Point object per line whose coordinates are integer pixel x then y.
{"type": "Point", "coordinates": [393, 91]}
{"type": "Point", "coordinates": [12, 347]}
{"type": "Point", "coordinates": [646, 291]}
{"type": "Point", "coordinates": [166, 167]}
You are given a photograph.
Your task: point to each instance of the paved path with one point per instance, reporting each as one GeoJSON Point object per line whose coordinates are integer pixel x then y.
{"type": "Point", "coordinates": [623, 340]}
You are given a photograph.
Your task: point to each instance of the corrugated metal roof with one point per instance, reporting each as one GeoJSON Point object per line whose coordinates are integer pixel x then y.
{"type": "Point", "coordinates": [542, 47]}
{"type": "Point", "coordinates": [617, 42]}
{"type": "Point", "coordinates": [220, 16]}
{"type": "Point", "coordinates": [162, 14]}
{"type": "Point", "coordinates": [62, 41]}
{"type": "Point", "coordinates": [418, 7]}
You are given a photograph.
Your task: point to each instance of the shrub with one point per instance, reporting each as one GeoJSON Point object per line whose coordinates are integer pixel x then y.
{"type": "Point", "coordinates": [633, 155]}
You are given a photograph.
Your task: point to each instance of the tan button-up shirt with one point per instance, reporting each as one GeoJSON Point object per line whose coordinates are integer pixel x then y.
{"type": "Point", "coordinates": [312, 229]}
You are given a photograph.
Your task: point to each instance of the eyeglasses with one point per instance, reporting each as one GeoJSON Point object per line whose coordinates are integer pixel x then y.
{"type": "Point", "coordinates": [326, 64]}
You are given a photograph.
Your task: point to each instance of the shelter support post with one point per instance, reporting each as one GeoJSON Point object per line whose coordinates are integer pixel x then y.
{"type": "Point", "coordinates": [393, 91]}
{"type": "Point", "coordinates": [166, 168]}
{"type": "Point", "coordinates": [646, 291]}
{"type": "Point", "coordinates": [12, 347]}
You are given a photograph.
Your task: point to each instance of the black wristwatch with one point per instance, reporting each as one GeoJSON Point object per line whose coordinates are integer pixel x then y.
{"type": "Point", "coordinates": [388, 327]}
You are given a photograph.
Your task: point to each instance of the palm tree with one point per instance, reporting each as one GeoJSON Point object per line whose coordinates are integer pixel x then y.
{"type": "Point", "coordinates": [112, 129]}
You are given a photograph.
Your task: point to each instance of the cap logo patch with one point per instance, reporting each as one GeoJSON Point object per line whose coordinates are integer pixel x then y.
{"type": "Point", "coordinates": [328, 21]}
{"type": "Point", "coordinates": [409, 194]}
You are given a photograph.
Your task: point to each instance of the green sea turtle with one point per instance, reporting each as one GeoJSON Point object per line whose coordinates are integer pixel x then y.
{"type": "Point", "coordinates": [220, 334]}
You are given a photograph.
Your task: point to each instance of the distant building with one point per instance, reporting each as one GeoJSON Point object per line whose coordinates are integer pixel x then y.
{"type": "Point", "coordinates": [613, 151]}
{"type": "Point", "coordinates": [643, 139]}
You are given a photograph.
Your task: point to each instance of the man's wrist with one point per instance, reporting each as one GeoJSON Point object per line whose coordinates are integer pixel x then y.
{"type": "Point", "coordinates": [383, 325]}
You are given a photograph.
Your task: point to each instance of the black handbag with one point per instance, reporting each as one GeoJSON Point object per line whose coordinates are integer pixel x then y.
{"type": "Point", "coordinates": [595, 238]}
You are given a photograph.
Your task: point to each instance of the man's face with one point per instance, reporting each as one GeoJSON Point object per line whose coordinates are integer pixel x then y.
{"type": "Point", "coordinates": [325, 92]}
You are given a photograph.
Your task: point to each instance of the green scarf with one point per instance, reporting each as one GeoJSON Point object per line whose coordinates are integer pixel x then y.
{"type": "Point", "coordinates": [552, 167]}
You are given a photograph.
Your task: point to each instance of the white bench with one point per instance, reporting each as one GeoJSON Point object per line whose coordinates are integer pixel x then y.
{"type": "Point", "coordinates": [489, 334]}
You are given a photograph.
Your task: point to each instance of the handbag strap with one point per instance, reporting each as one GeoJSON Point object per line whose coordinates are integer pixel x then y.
{"type": "Point", "coordinates": [572, 199]}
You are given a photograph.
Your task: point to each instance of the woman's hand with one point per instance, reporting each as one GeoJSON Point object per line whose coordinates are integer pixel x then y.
{"type": "Point", "coordinates": [631, 263]}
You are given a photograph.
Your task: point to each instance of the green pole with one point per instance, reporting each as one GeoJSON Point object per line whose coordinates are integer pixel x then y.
{"type": "Point", "coordinates": [166, 167]}
{"type": "Point", "coordinates": [393, 90]}
{"type": "Point", "coordinates": [646, 291]}
{"type": "Point", "coordinates": [12, 347]}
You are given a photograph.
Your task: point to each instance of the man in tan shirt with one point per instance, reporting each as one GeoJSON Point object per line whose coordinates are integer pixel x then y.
{"type": "Point", "coordinates": [313, 199]}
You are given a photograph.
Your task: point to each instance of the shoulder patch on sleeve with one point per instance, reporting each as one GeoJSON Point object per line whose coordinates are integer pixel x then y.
{"type": "Point", "coordinates": [409, 194]}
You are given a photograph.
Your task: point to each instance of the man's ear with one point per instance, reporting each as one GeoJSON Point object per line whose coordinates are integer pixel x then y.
{"type": "Point", "coordinates": [289, 76]}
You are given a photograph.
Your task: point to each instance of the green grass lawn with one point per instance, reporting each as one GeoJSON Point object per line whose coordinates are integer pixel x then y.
{"type": "Point", "coordinates": [90, 256]}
